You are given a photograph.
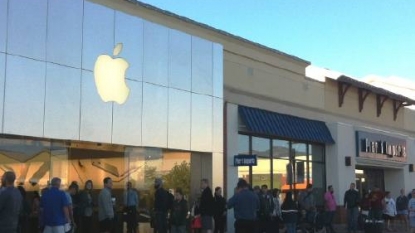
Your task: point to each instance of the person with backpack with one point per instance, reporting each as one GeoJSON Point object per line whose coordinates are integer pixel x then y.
{"type": "Point", "coordinates": [266, 208]}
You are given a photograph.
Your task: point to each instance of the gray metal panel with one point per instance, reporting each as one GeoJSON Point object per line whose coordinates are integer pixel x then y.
{"type": "Point", "coordinates": [180, 58]}
{"type": "Point", "coordinates": [24, 97]}
{"type": "Point", "coordinates": [126, 125]}
{"type": "Point", "coordinates": [179, 119]}
{"type": "Point", "coordinates": [217, 125]}
{"type": "Point", "coordinates": [2, 78]}
{"type": "Point", "coordinates": [202, 59]}
{"type": "Point", "coordinates": [3, 25]}
{"type": "Point", "coordinates": [129, 32]}
{"type": "Point", "coordinates": [154, 124]}
{"type": "Point", "coordinates": [156, 50]}
{"type": "Point", "coordinates": [218, 70]}
{"type": "Point", "coordinates": [64, 33]}
{"type": "Point", "coordinates": [62, 103]}
{"type": "Point", "coordinates": [27, 28]}
{"type": "Point", "coordinates": [201, 131]}
{"type": "Point", "coordinates": [98, 33]}
{"type": "Point", "coordinates": [96, 115]}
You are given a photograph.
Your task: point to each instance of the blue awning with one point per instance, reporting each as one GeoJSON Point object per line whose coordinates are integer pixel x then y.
{"type": "Point", "coordinates": [273, 124]}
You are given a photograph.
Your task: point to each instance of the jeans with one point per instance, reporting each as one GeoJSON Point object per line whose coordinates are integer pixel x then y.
{"type": "Point", "coordinates": [329, 220]}
{"type": "Point", "coordinates": [291, 227]}
{"type": "Point", "coordinates": [161, 222]}
{"type": "Point", "coordinates": [352, 216]}
{"type": "Point", "coordinates": [131, 219]}
{"type": "Point", "coordinates": [178, 229]}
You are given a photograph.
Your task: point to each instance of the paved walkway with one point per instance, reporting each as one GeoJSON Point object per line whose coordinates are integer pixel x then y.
{"type": "Point", "coordinates": [343, 229]}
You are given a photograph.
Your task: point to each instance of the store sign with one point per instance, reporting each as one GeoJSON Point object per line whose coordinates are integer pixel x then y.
{"type": "Point", "coordinates": [378, 146]}
{"type": "Point", "coordinates": [245, 160]}
{"type": "Point", "coordinates": [109, 73]}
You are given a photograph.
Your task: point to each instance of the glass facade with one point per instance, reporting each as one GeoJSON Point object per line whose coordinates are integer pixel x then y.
{"type": "Point", "coordinates": [55, 123]}
{"type": "Point", "coordinates": [283, 164]}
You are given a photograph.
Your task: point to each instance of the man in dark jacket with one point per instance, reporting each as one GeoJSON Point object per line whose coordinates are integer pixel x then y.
{"type": "Point", "coordinates": [178, 213]}
{"type": "Point", "coordinates": [351, 202]}
{"type": "Point", "coordinates": [206, 206]}
{"type": "Point", "coordinates": [219, 211]}
{"type": "Point", "coordinates": [265, 210]}
{"type": "Point", "coordinates": [10, 203]}
{"type": "Point", "coordinates": [161, 206]}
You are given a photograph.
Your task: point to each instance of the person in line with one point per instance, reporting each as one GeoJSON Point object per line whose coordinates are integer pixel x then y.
{"type": "Point", "coordinates": [161, 206]}
{"type": "Point", "coordinates": [71, 195]}
{"type": "Point", "coordinates": [10, 204]}
{"type": "Point", "coordinates": [219, 211]}
{"type": "Point", "coordinates": [376, 203]}
{"type": "Point", "coordinates": [265, 210]}
{"type": "Point", "coordinates": [35, 212]}
{"type": "Point", "coordinates": [54, 207]}
{"type": "Point", "coordinates": [131, 206]}
{"type": "Point", "coordinates": [196, 223]}
{"type": "Point", "coordinates": [289, 211]}
{"type": "Point", "coordinates": [179, 213]}
{"type": "Point", "coordinates": [106, 207]}
{"type": "Point", "coordinates": [307, 206]}
{"type": "Point", "coordinates": [24, 212]}
{"type": "Point", "coordinates": [330, 208]}
{"type": "Point", "coordinates": [411, 209]}
{"type": "Point", "coordinates": [86, 207]}
{"type": "Point", "coordinates": [402, 209]}
{"type": "Point", "coordinates": [276, 217]}
{"type": "Point", "coordinates": [351, 202]}
{"type": "Point", "coordinates": [245, 204]}
{"type": "Point", "coordinates": [206, 206]}
{"type": "Point", "coordinates": [389, 211]}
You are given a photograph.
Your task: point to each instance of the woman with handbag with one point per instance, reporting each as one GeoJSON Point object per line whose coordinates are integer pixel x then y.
{"type": "Point", "coordinates": [196, 223]}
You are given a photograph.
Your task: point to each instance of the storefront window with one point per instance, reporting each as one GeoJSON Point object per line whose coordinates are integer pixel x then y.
{"type": "Point", "coordinates": [316, 153]}
{"type": "Point", "coordinates": [317, 178]}
{"type": "Point", "coordinates": [261, 174]}
{"type": "Point", "coordinates": [243, 148]}
{"type": "Point", "coordinates": [300, 150]}
{"type": "Point", "coordinates": [280, 149]}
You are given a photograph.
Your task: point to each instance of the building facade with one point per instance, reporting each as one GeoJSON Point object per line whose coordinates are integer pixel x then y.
{"type": "Point", "coordinates": [61, 115]}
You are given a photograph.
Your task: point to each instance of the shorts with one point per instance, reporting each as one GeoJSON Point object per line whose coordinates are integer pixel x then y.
{"type": "Point", "coordinates": [403, 212]}
{"type": "Point", "coordinates": [388, 217]}
{"type": "Point", "coordinates": [207, 222]}
{"type": "Point", "coordinates": [106, 225]}
{"type": "Point", "coordinates": [54, 229]}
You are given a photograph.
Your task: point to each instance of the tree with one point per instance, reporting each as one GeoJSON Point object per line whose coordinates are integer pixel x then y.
{"type": "Point", "coordinates": [178, 177]}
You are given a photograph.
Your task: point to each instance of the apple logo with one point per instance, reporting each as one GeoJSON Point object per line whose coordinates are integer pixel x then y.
{"type": "Point", "coordinates": [109, 76]}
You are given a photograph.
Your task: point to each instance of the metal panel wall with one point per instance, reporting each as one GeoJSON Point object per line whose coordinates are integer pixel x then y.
{"type": "Point", "coordinates": [2, 79]}
{"type": "Point", "coordinates": [96, 116]}
{"type": "Point", "coordinates": [201, 123]}
{"type": "Point", "coordinates": [155, 102]}
{"type": "Point", "coordinates": [64, 32]}
{"type": "Point", "coordinates": [180, 60]}
{"type": "Point", "coordinates": [129, 31]}
{"type": "Point", "coordinates": [3, 25]}
{"type": "Point", "coordinates": [175, 79]}
{"type": "Point", "coordinates": [179, 119]}
{"type": "Point", "coordinates": [24, 96]}
{"type": "Point", "coordinates": [62, 102]}
{"type": "Point", "coordinates": [98, 33]}
{"type": "Point", "coordinates": [27, 28]}
{"type": "Point", "coordinates": [126, 125]}
{"type": "Point", "coordinates": [156, 50]}
{"type": "Point", "coordinates": [202, 59]}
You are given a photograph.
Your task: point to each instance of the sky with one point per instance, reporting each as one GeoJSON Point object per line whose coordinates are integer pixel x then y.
{"type": "Point", "coordinates": [355, 37]}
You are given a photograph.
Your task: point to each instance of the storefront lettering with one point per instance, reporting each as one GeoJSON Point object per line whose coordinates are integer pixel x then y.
{"type": "Point", "coordinates": [245, 160]}
{"type": "Point", "coordinates": [377, 146]}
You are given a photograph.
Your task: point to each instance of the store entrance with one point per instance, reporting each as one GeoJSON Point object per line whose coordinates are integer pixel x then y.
{"type": "Point", "coordinates": [367, 178]}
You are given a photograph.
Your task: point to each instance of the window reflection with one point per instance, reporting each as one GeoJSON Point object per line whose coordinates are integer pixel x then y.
{"type": "Point", "coordinates": [261, 174]}
{"type": "Point", "coordinates": [36, 161]}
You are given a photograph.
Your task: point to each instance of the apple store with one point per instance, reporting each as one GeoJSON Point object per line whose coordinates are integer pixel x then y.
{"type": "Point", "coordinates": [89, 92]}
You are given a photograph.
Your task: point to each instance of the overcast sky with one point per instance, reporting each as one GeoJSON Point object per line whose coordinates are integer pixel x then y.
{"type": "Point", "coordinates": [355, 37]}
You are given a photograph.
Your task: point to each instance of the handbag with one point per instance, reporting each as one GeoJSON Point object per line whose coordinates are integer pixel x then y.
{"type": "Point", "coordinates": [196, 223]}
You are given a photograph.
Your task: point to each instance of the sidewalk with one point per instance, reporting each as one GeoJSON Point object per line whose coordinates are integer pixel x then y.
{"type": "Point", "coordinates": [342, 228]}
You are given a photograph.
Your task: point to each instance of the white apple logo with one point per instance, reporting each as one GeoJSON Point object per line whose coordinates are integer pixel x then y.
{"type": "Point", "coordinates": [109, 76]}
